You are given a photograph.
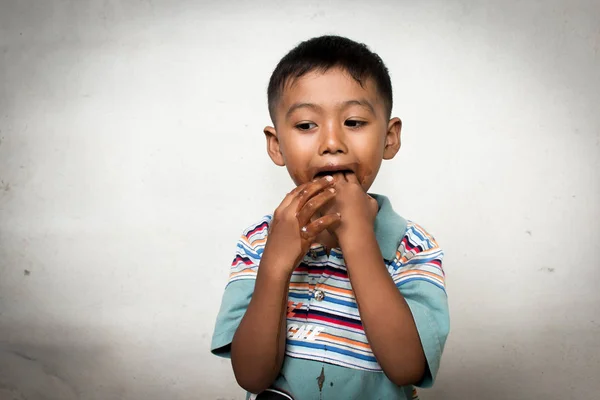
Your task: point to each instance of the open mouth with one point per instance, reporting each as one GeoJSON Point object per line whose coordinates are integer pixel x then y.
{"type": "Point", "coordinates": [335, 171]}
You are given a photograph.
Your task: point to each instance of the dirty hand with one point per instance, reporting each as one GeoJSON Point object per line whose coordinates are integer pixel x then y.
{"type": "Point", "coordinates": [293, 228]}
{"type": "Point", "coordinates": [357, 209]}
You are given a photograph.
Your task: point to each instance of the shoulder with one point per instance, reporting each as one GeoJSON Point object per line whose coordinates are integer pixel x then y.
{"type": "Point", "coordinates": [419, 237]}
{"type": "Point", "coordinates": [253, 239]}
{"type": "Point", "coordinates": [249, 249]}
{"type": "Point", "coordinates": [418, 258]}
{"type": "Point", "coordinates": [257, 232]}
{"type": "Point", "coordinates": [417, 242]}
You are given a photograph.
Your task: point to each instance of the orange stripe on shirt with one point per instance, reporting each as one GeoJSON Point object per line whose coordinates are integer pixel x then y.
{"type": "Point", "coordinates": [299, 285]}
{"type": "Point", "coordinates": [364, 346]}
{"type": "Point", "coordinates": [255, 242]}
{"type": "Point", "coordinates": [420, 272]}
{"type": "Point", "coordinates": [244, 271]}
{"type": "Point", "coordinates": [329, 288]}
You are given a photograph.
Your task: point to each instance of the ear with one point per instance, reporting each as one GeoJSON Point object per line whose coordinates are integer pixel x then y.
{"type": "Point", "coordinates": [273, 146]}
{"type": "Point", "coordinates": [392, 139]}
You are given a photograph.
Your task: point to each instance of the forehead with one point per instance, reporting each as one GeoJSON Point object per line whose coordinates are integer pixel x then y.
{"type": "Point", "coordinates": [328, 89]}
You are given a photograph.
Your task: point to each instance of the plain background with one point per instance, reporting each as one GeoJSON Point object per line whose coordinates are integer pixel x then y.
{"type": "Point", "coordinates": [132, 157]}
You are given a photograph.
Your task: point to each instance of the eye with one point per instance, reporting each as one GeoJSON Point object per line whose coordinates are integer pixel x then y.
{"type": "Point", "coordinates": [306, 126]}
{"type": "Point", "coordinates": [354, 123]}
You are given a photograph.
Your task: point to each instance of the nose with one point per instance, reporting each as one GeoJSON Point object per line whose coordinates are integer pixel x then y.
{"type": "Point", "coordinates": [333, 139]}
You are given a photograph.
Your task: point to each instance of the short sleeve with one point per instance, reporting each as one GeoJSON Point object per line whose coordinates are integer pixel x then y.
{"type": "Point", "coordinates": [418, 274]}
{"type": "Point", "coordinates": [239, 289]}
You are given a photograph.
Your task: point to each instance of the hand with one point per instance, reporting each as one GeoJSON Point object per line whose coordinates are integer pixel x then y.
{"type": "Point", "coordinates": [356, 207]}
{"type": "Point", "coordinates": [292, 229]}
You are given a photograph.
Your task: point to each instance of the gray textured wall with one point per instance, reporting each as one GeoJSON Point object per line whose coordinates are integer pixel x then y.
{"type": "Point", "coordinates": [131, 157]}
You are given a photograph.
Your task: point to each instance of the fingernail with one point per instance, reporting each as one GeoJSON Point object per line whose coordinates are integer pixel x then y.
{"type": "Point", "coordinates": [329, 178]}
{"type": "Point", "coordinates": [339, 215]}
{"type": "Point", "coordinates": [332, 190]}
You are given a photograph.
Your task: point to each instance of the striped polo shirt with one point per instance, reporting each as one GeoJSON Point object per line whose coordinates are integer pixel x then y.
{"type": "Point", "coordinates": [328, 355]}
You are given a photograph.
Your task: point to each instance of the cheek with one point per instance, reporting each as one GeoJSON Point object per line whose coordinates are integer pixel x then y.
{"type": "Point", "coordinates": [296, 169]}
{"type": "Point", "coordinates": [297, 155]}
{"type": "Point", "coordinates": [296, 177]}
{"type": "Point", "coordinates": [371, 157]}
{"type": "Point", "coordinates": [368, 174]}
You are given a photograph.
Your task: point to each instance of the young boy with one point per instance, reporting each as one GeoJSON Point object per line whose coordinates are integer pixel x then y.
{"type": "Point", "coordinates": [334, 295]}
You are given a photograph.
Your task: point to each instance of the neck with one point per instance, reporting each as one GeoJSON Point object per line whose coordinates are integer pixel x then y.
{"type": "Point", "coordinates": [328, 240]}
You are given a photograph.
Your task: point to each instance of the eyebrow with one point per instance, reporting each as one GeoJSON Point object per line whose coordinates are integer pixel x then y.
{"type": "Point", "coordinates": [297, 106]}
{"type": "Point", "coordinates": [360, 102]}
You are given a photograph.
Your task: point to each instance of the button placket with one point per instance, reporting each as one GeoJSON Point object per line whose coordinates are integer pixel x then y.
{"type": "Point", "coordinates": [312, 256]}
{"type": "Point", "coordinates": [316, 254]}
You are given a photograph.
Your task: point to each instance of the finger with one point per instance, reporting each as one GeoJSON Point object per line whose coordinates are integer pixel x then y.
{"type": "Point", "coordinates": [291, 196]}
{"type": "Point", "coordinates": [311, 189]}
{"type": "Point", "coordinates": [314, 204]}
{"type": "Point", "coordinates": [310, 231]}
{"type": "Point", "coordinates": [287, 200]}
{"type": "Point", "coordinates": [294, 192]}
{"type": "Point", "coordinates": [298, 188]}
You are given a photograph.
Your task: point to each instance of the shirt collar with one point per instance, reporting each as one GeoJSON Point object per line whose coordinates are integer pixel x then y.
{"type": "Point", "coordinates": [389, 227]}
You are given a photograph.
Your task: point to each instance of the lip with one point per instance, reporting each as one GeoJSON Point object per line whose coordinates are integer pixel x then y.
{"type": "Point", "coordinates": [334, 168]}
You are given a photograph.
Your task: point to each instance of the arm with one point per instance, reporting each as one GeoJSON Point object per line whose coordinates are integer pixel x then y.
{"type": "Point", "coordinates": [405, 315]}
{"type": "Point", "coordinates": [392, 333]}
{"type": "Point", "coordinates": [258, 345]}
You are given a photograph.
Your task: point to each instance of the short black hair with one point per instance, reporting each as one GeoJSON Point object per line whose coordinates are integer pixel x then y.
{"type": "Point", "coordinates": [325, 52]}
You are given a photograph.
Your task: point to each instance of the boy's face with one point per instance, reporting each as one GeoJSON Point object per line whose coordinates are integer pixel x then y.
{"type": "Point", "coordinates": [327, 123]}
